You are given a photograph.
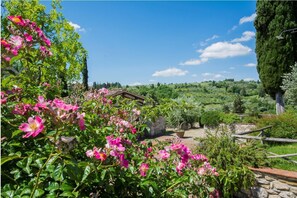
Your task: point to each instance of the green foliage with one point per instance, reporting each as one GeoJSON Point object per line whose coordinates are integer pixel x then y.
{"type": "Point", "coordinates": [289, 86]}
{"type": "Point", "coordinates": [226, 108]}
{"type": "Point", "coordinates": [211, 118]}
{"type": "Point", "coordinates": [85, 74]}
{"type": "Point", "coordinates": [275, 56]}
{"type": "Point", "coordinates": [229, 118]}
{"type": "Point", "coordinates": [182, 111]}
{"type": "Point", "coordinates": [232, 161]}
{"type": "Point", "coordinates": [250, 119]}
{"type": "Point", "coordinates": [211, 95]}
{"type": "Point", "coordinates": [55, 164]}
{"type": "Point", "coordinates": [283, 126]}
{"type": "Point", "coordinates": [66, 63]}
{"type": "Point", "coordinates": [238, 105]}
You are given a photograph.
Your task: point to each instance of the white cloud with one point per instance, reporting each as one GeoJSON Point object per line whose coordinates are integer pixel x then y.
{"type": "Point", "coordinates": [76, 27]}
{"type": "Point", "coordinates": [231, 67]}
{"type": "Point", "coordinates": [206, 74]}
{"type": "Point", "coordinates": [194, 75]}
{"type": "Point", "coordinates": [224, 50]}
{"type": "Point", "coordinates": [225, 72]}
{"type": "Point", "coordinates": [193, 62]}
{"type": "Point", "coordinates": [151, 80]}
{"type": "Point", "coordinates": [170, 72]}
{"type": "Point", "coordinates": [212, 75]}
{"type": "Point", "coordinates": [248, 79]}
{"type": "Point", "coordinates": [244, 19]}
{"type": "Point", "coordinates": [135, 84]}
{"type": "Point", "coordinates": [218, 76]}
{"type": "Point", "coordinates": [232, 29]}
{"type": "Point", "coordinates": [246, 36]}
{"type": "Point", "coordinates": [212, 38]}
{"type": "Point", "coordinates": [219, 50]}
{"type": "Point", "coordinates": [247, 19]}
{"type": "Point", "coordinates": [203, 43]}
{"type": "Point", "coordinates": [250, 65]}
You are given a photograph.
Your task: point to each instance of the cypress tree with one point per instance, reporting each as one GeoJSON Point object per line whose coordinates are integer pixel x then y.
{"type": "Point", "coordinates": [85, 74]}
{"type": "Point", "coordinates": [275, 56]}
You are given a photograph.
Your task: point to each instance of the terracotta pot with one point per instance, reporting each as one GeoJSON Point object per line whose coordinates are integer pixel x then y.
{"type": "Point", "coordinates": [180, 133]}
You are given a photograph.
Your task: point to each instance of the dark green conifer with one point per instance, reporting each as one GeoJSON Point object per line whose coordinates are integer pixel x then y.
{"type": "Point", "coordinates": [275, 55]}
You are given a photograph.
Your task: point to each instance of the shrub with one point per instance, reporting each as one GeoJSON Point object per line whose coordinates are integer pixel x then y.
{"type": "Point", "coordinates": [229, 118]}
{"type": "Point", "coordinates": [211, 118]}
{"type": "Point", "coordinates": [232, 161]}
{"type": "Point", "coordinates": [283, 126]}
{"type": "Point", "coordinates": [238, 106]}
{"type": "Point", "coordinates": [50, 148]}
{"type": "Point", "coordinates": [250, 120]}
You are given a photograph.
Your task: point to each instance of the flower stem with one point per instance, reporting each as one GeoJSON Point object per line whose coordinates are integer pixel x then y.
{"type": "Point", "coordinates": [38, 174]}
{"type": "Point", "coordinates": [172, 186]}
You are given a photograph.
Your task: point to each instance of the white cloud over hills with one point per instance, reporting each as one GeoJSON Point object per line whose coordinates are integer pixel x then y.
{"type": "Point", "coordinates": [219, 50]}
{"type": "Point", "coordinates": [224, 50]}
{"type": "Point", "coordinates": [170, 72]}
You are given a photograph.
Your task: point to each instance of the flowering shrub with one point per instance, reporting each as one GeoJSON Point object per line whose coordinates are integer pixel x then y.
{"type": "Point", "coordinates": [50, 147]}
{"type": "Point", "coordinates": [24, 34]}
{"type": "Point", "coordinates": [86, 147]}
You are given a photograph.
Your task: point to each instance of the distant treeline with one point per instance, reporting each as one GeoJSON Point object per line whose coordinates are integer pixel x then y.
{"type": "Point", "coordinates": [106, 85]}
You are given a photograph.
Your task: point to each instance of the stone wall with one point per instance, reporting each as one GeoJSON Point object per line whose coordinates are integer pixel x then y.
{"type": "Point", "coordinates": [272, 183]}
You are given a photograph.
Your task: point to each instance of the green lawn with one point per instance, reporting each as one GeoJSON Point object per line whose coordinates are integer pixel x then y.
{"type": "Point", "coordinates": [284, 149]}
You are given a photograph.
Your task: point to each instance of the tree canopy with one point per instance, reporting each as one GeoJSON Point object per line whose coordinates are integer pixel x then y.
{"type": "Point", "coordinates": [67, 60]}
{"type": "Point", "coordinates": [275, 56]}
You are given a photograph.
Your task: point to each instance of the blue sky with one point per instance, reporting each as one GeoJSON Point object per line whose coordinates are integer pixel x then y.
{"type": "Point", "coordinates": [168, 42]}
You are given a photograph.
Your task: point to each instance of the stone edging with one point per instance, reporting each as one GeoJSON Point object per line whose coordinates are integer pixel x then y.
{"type": "Point", "coordinates": [283, 174]}
{"type": "Point", "coordinates": [272, 183]}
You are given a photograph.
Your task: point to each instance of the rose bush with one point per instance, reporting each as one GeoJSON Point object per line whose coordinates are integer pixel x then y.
{"type": "Point", "coordinates": [89, 147]}
{"type": "Point", "coordinates": [53, 148]}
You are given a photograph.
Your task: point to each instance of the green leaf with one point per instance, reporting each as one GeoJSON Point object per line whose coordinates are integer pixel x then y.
{"type": "Point", "coordinates": [8, 158]}
{"type": "Point", "coordinates": [66, 194]}
{"type": "Point", "coordinates": [151, 190]}
{"type": "Point", "coordinates": [51, 195]}
{"type": "Point", "coordinates": [103, 173]}
{"type": "Point", "coordinates": [39, 162]}
{"type": "Point", "coordinates": [66, 187]}
{"type": "Point", "coordinates": [52, 160]}
{"type": "Point", "coordinates": [38, 192]}
{"type": "Point", "coordinates": [58, 173]}
{"type": "Point", "coordinates": [9, 193]}
{"type": "Point", "coordinates": [26, 191]}
{"type": "Point", "coordinates": [15, 133]}
{"type": "Point", "coordinates": [51, 133]}
{"type": "Point", "coordinates": [87, 171]}
{"type": "Point", "coordinates": [53, 186]}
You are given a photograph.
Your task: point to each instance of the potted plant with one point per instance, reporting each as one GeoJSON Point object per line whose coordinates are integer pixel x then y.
{"type": "Point", "coordinates": [180, 130]}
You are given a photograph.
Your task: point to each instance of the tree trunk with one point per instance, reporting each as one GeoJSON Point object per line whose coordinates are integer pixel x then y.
{"type": "Point", "coordinates": [280, 106]}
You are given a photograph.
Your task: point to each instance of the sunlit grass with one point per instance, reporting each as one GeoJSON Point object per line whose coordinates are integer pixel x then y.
{"type": "Point", "coordinates": [282, 149]}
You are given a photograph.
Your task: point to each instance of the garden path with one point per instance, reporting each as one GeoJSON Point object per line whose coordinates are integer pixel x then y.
{"type": "Point", "coordinates": [191, 134]}
{"type": "Point", "coordinates": [188, 138]}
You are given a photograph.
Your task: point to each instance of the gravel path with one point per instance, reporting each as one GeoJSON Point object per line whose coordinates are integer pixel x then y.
{"type": "Point", "coordinates": [191, 134]}
{"type": "Point", "coordinates": [188, 138]}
